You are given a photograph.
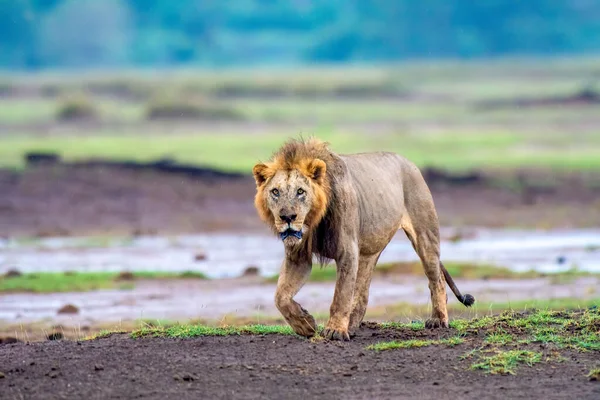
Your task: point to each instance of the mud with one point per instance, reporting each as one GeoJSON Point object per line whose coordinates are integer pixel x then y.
{"type": "Point", "coordinates": [274, 366]}
{"type": "Point", "coordinates": [108, 198]}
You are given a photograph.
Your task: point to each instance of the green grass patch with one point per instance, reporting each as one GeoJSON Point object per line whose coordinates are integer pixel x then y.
{"type": "Point", "coordinates": [413, 325]}
{"type": "Point", "coordinates": [190, 331]}
{"type": "Point", "coordinates": [506, 362]}
{"type": "Point", "coordinates": [318, 274]}
{"type": "Point", "coordinates": [510, 336]}
{"type": "Point", "coordinates": [414, 343]}
{"type": "Point", "coordinates": [499, 338]}
{"type": "Point", "coordinates": [51, 282]}
{"type": "Point", "coordinates": [238, 151]}
{"type": "Point", "coordinates": [463, 270]}
{"type": "Point", "coordinates": [577, 330]}
{"type": "Point", "coordinates": [104, 333]}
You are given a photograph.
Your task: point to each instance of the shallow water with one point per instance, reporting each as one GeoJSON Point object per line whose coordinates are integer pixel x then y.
{"type": "Point", "coordinates": [228, 255]}
{"type": "Point", "coordinates": [193, 299]}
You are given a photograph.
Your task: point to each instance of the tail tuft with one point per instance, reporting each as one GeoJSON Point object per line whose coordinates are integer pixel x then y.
{"type": "Point", "coordinates": [467, 300]}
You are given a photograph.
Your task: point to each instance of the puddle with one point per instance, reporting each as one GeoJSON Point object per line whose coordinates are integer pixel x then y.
{"type": "Point", "coordinates": [228, 255]}
{"type": "Point", "coordinates": [213, 300]}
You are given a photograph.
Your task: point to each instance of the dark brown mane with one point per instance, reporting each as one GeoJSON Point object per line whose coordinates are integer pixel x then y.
{"type": "Point", "coordinates": [295, 151]}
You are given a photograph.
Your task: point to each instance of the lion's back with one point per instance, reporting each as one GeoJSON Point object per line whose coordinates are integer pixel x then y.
{"type": "Point", "coordinates": [380, 181]}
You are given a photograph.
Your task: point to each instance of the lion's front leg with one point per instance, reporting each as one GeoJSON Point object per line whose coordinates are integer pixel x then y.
{"type": "Point", "coordinates": [294, 274]}
{"type": "Point", "coordinates": [341, 307]}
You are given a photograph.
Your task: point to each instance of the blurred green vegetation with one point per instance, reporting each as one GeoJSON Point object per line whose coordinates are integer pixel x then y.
{"type": "Point", "coordinates": [109, 33]}
{"type": "Point", "coordinates": [431, 113]}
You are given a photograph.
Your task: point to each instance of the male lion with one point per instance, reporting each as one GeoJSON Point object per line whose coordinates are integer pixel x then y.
{"type": "Point", "coordinates": [347, 208]}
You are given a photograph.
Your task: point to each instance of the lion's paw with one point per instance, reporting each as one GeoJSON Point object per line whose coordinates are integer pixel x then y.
{"type": "Point", "coordinates": [303, 324]}
{"type": "Point", "coordinates": [435, 323]}
{"type": "Point", "coordinates": [335, 334]}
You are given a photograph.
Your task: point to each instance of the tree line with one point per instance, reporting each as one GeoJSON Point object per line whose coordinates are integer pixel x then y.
{"type": "Point", "coordinates": [116, 33]}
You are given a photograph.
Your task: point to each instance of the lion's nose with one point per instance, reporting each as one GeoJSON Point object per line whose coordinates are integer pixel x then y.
{"type": "Point", "coordinates": [288, 218]}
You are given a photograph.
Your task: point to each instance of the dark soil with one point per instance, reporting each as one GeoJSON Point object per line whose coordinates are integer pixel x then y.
{"type": "Point", "coordinates": [274, 366]}
{"type": "Point", "coordinates": [88, 198]}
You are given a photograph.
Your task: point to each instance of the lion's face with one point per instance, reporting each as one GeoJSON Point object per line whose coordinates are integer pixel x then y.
{"type": "Point", "coordinates": [291, 200]}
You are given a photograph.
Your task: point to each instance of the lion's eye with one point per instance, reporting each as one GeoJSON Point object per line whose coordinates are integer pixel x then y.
{"type": "Point", "coordinates": [275, 192]}
{"type": "Point", "coordinates": [300, 192]}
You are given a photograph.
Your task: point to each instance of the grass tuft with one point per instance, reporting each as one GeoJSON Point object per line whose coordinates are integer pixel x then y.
{"type": "Point", "coordinates": [55, 282]}
{"type": "Point", "coordinates": [506, 362]}
{"type": "Point", "coordinates": [499, 338]}
{"type": "Point", "coordinates": [174, 108]}
{"type": "Point", "coordinates": [594, 374]}
{"type": "Point", "coordinates": [76, 108]}
{"type": "Point", "coordinates": [460, 270]}
{"type": "Point", "coordinates": [104, 333]}
{"type": "Point", "coordinates": [414, 343]}
{"type": "Point", "coordinates": [190, 331]}
{"type": "Point", "coordinates": [413, 326]}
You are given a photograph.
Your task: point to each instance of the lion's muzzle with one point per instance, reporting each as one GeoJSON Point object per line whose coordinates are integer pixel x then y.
{"type": "Point", "coordinates": [290, 233]}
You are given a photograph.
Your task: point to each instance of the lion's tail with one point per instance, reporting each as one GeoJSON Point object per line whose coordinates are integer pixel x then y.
{"type": "Point", "coordinates": [467, 299]}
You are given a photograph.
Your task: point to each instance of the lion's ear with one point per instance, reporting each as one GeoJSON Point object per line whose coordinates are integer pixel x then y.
{"type": "Point", "coordinates": [261, 173]}
{"type": "Point", "coordinates": [316, 170]}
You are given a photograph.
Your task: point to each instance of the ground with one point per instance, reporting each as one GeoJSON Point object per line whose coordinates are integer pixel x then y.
{"type": "Point", "coordinates": [66, 200]}
{"type": "Point", "coordinates": [497, 358]}
{"type": "Point", "coordinates": [516, 145]}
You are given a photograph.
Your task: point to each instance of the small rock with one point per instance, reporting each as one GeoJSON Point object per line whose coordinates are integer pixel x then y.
{"type": "Point", "coordinates": [200, 256]}
{"type": "Point", "coordinates": [251, 271]}
{"type": "Point", "coordinates": [12, 273]}
{"type": "Point", "coordinates": [561, 259]}
{"type": "Point", "coordinates": [125, 276]}
{"type": "Point", "coordinates": [68, 309]}
{"type": "Point", "coordinates": [8, 340]}
{"type": "Point", "coordinates": [188, 377]}
{"type": "Point", "coordinates": [2, 376]}
{"type": "Point", "coordinates": [98, 367]}
{"type": "Point", "coordinates": [55, 336]}
{"type": "Point", "coordinates": [184, 377]}
{"type": "Point", "coordinates": [347, 374]}
{"type": "Point", "coordinates": [53, 373]}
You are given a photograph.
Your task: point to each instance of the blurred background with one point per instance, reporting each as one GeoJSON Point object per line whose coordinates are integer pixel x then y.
{"type": "Point", "coordinates": [129, 128]}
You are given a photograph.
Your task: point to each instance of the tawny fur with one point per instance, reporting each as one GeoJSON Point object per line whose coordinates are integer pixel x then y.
{"type": "Point", "coordinates": [348, 207]}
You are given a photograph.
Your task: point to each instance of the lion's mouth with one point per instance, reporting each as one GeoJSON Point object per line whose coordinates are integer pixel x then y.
{"type": "Point", "coordinates": [290, 233]}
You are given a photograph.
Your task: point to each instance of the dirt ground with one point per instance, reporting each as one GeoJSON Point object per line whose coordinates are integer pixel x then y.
{"type": "Point", "coordinates": [67, 200]}
{"type": "Point", "coordinates": [275, 366]}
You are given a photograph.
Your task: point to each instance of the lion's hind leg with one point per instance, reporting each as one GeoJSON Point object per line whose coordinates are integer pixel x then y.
{"type": "Point", "coordinates": [424, 236]}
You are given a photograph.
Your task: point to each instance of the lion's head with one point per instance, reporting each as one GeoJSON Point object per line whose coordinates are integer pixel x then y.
{"type": "Point", "coordinates": [293, 189]}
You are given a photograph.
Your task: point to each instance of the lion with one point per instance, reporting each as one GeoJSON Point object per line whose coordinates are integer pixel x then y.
{"type": "Point", "coordinates": [346, 208]}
